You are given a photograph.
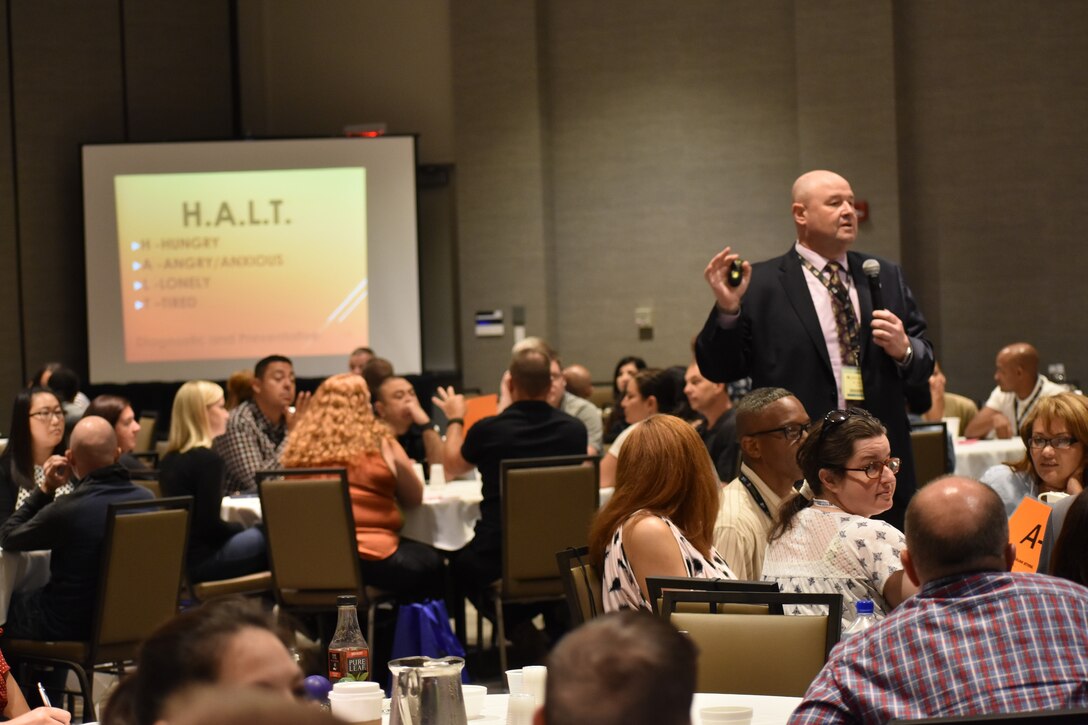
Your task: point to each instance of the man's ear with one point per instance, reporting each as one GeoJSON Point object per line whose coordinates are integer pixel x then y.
{"type": "Point", "coordinates": [749, 446]}
{"type": "Point", "coordinates": [908, 568]}
{"type": "Point", "coordinates": [798, 210]}
{"type": "Point", "coordinates": [1010, 556]}
{"type": "Point", "coordinates": [379, 408]}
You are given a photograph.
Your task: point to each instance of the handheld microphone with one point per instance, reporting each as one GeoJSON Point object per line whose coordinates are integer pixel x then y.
{"type": "Point", "coordinates": [871, 268]}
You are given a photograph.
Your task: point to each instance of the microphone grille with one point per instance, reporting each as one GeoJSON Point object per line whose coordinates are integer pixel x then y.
{"type": "Point", "coordinates": [871, 268]}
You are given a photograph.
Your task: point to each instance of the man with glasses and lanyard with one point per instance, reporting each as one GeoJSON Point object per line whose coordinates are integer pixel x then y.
{"type": "Point", "coordinates": [771, 423]}
{"type": "Point", "coordinates": [808, 323]}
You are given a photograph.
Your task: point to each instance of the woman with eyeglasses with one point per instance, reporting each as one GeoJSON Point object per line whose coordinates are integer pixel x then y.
{"type": "Point", "coordinates": [824, 540]}
{"type": "Point", "coordinates": [1054, 433]}
{"type": "Point", "coordinates": [36, 434]}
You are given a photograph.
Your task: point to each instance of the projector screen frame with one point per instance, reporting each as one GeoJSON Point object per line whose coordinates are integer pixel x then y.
{"type": "Point", "coordinates": [393, 267]}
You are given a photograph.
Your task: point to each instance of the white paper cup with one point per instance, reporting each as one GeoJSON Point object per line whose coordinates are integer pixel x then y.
{"type": "Point", "coordinates": [438, 475]}
{"type": "Point", "coordinates": [514, 683]}
{"type": "Point", "coordinates": [475, 696]}
{"type": "Point", "coordinates": [361, 708]}
{"type": "Point", "coordinates": [520, 708]}
{"type": "Point", "coordinates": [534, 679]}
{"type": "Point", "coordinates": [354, 687]}
{"type": "Point", "coordinates": [726, 714]}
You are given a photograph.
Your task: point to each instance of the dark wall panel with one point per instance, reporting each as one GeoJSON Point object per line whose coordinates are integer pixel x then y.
{"type": "Point", "coordinates": [11, 365]}
{"type": "Point", "coordinates": [67, 90]}
{"type": "Point", "coordinates": [178, 69]}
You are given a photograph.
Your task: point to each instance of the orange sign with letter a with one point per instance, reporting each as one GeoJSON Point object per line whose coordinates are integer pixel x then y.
{"type": "Point", "coordinates": [1027, 529]}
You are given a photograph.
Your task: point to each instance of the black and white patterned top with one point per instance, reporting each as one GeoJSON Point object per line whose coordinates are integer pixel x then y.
{"type": "Point", "coordinates": [621, 590]}
{"type": "Point", "coordinates": [833, 552]}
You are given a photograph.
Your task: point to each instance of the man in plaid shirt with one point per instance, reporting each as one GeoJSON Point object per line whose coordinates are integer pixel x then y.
{"type": "Point", "coordinates": [257, 429]}
{"type": "Point", "coordinates": [975, 640]}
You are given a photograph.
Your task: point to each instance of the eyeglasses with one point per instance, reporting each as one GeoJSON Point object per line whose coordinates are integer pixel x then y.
{"type": "Point", "coordinates": [791, 433]}
{"type": "Point", "coordinates": [876, 468]}
{"type": "Point", "coordinates": [1059, 443]}
{"type": "Point", "coordinates": [46, 415]}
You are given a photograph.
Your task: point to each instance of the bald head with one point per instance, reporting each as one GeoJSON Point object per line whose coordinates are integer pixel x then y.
{"type": "Point", "coordinates": [823, 213]}
{"type": "Point", "coordinates": [807, 184]}
{"type": "Point", "coordinates": [1023, 355]}
{"type": "Point", "coordinates": [956, 525]}
{"type": "Point", "coordinates": [93, 445]}
{"type": "Point", "coordinates": [578, 380]}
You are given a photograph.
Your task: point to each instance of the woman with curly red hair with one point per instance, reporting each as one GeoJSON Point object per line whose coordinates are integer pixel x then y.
{"type": "Point", "coordinates": [339, 430]}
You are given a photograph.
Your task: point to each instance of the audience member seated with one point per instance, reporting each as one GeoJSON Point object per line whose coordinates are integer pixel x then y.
{"type": "Point", "coordinates": [771, 423]}
{"type": "Point", "coordinates": [579, 381]}
{"type": "Point", "coordinates": [228, 642]}
{"type": "Point", "coordinates": [118, 412]}
{"type": "Point", "coordinates": [1054, 432]}
{"type": "Point", "coordinates": [217, 549]}
{"type": "Point", "coordinates": [396, 404]}
{"type": "Point", "coordinates": [36, 433]}
{"type": "Point", "coordinates": [945, 404]}
{"type": "Point", "coordinates": [14, 707]}
{"type": "Point", "coordinates": [719, 431]}
{"type": "Point", "coordinates": [529, 428]}
{"type": "Point", "coordinates": [73, 527]}
{"type": "Point", "coordinates": [626, 369]}
{"type": "Point", "coordinates": [1068, 560]}
{"type": "Point", "coordinates": [257, 429]}
{"type": "Point", "coordinates": [628, 668]}
{"type": "Point", "coordinates": [376, 371]}
{"type": "Point", "coordinates": [580, 408]}
{"type": "Point", "coordinates": [358, 359]}
{"type": "Point", "coordinates": [340, 431]}
{"type": "Point", "coordinates": [660, 520]}
{"type": "Point", "coordinates": [823, 540]}
{"type": "Point", "coordinates": [975, 640]}
{"type": "Point", "coordinates": [66, 384]}
{"type": "Point", "coordinates": [1020, 387]}
{"type": "Point", "coordinates": [650, 392]}
{"type": "Point", "coordinates": [41, 380]}
{"type": "Point", "coordinates": [239, 388]}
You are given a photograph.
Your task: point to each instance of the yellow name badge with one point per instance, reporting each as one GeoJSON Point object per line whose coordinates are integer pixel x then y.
{"type": "Point", "coordinates": [852, 387]}
{"type": "Point", "coordinates": [1027, 530]}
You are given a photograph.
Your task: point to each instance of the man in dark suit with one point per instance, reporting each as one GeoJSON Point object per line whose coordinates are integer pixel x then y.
{"type": "Point", "coordinates": [794, 329]}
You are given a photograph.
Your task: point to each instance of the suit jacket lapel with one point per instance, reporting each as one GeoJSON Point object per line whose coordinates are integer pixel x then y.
{"type": "Point", "coordinates": [792, 278]}
{"type": "Point", "coordinates": [865, 301]}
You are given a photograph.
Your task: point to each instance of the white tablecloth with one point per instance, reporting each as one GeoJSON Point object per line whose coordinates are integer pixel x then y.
{"type": "Point", "coordinates": [766, 710]}
{"type": "Point", "coordinates": [21, 571]}
{"type": "Point", "coordinates": [445, 520]}
{"type": "Point", "coordinates": [973, 457]}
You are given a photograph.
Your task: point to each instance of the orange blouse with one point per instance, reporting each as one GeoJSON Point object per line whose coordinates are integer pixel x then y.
{"type": "Point", "coordinates": [373, 504]}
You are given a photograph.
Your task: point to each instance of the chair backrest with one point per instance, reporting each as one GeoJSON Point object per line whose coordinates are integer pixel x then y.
{"type": "Point", "coordinates": [547, 505]}
{"type": "Point", "coordinates": [146, 437]}
{"type": "Point", "coordinates": [143, 566]}
{"type": "Point", "coordinates": [149, 458]}
{"type": "Point", "coordinates": [929, 442]}
{"type": "Point", "coordinates": [757, 654]}
{"type": "Point", "coordinates": [655, 585]}
{"type": "Point", "coordinates": [151, 484]}
{"type": "Point", "coordinates": [312, 549]}
{"type": "Point", "coordinates": [581, 584]}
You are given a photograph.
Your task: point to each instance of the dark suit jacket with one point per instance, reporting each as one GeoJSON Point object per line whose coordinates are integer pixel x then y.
{"type": "Point", "coordinates": [778, 342]}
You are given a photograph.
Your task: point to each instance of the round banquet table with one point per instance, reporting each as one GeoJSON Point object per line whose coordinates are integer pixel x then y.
{"type": "Point", "coordinates": [973, 456]}
{"type": "Point", "coordinates": [766, 709]}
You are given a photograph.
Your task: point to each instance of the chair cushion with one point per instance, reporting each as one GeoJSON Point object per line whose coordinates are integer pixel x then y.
{"type": "Point", "coordinates": [249, 584]}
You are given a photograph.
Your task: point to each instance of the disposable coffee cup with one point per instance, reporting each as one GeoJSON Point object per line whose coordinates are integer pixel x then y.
{"type": "Point", "coordinates": [520, 708]}
{"type": "Point", "coordinates": [514, 682]}
{"type": "Point", "coordinates": [534, 680]}
{"type": "Point", "coordinates": [355, 687]}
{"type": "Point", "coordinates": [733, 715]}
{"type": "Point", "coordinates": [357, 708]}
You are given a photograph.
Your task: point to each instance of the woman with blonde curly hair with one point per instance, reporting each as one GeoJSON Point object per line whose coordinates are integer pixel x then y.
{"type": "Point", "coordinates": [217, 549]}
{"type": "Point", "coordinates": [339, 430]}
{"type": "Point", "coordinates": [660, 520]}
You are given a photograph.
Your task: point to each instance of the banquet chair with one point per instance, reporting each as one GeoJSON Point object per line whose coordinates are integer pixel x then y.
{"type": "Point", "coordinates": [145, 438]}
{"type": "Point", "coordinates": [312, 550]}
{"type": "Point", "coordinates": [151, 484]}
{"type": "Point", "coordinates": [655, 585]}
{"type": "Point", "coordinates": [143, 564]}
{"type": "Point", "coordinates": [581, 584]}
{"type": "Point", "coordinates": [757, 654]}
{"type": "Point", "coordinates": [547, 505]}
{"type": "Point", "coordinates": [929, 442]}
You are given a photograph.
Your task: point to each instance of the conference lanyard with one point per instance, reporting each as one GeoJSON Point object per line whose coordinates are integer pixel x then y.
{"type": "Point", "coordinates": [1021, 414]}
{"type": "Point", "coordinates": [755, 494]}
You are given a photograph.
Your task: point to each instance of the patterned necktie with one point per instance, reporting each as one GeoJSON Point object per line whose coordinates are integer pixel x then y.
{"type": "Point", "coordinates": [846, 323]}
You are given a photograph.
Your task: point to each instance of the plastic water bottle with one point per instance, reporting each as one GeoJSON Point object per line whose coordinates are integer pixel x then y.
{"type": "Point", "coordinates": [864, 620]}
